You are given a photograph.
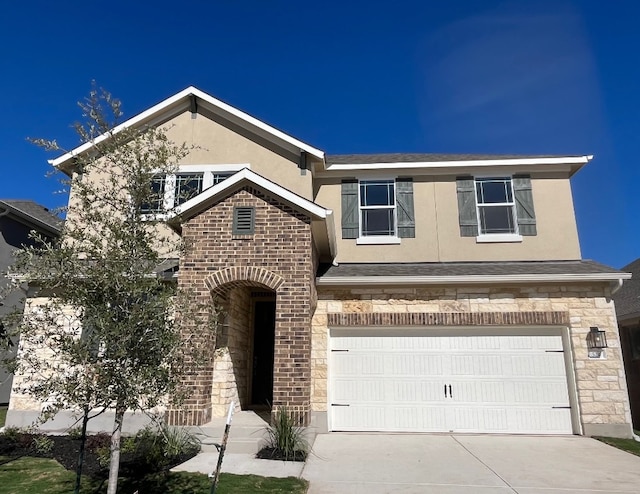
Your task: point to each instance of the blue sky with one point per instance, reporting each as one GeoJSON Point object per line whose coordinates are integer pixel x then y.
{"type": "Point", "coordinates": [557, 77]}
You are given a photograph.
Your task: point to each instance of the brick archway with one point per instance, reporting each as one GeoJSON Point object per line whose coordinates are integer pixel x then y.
{"type": "Point", "coordinates": [242, 276]}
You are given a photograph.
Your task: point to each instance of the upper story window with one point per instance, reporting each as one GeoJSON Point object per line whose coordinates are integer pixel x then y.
{"type": "Point", "coordinates": [378, 211]}
{"type": "Point", "coordinates": [174, 189]}
{"type": "Point", "coordinates": [377, 208]}
{"type": "Point", "coordinates": [496, 209]}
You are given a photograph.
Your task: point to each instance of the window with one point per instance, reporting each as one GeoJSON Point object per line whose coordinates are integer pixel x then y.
{"type": "Point", "coordinates": [377, 208]}
{"type": "Point", "coordinates": [377, 211]}
{"type": "Point", "coordinates": [496, 207]}
{"type": "Point", "coordinates": [171, 190]}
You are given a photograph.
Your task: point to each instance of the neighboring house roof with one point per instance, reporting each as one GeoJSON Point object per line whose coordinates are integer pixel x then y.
{"type": "Point", "coordinates": [324, 230]}
{"type": "Point", "coordinates": [469, 272]}
{"type": "Point", "coordinates": [190, 99]}
{"type": "Point", "coordinates": [627, 299]}
{"type": "Point", "coordinates": [32, 214]}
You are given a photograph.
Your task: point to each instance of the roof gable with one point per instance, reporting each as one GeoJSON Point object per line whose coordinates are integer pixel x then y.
{"type": "Point", "coordinates": [190, 99]}
{"type": "Point", "coordinates": [324, 228]}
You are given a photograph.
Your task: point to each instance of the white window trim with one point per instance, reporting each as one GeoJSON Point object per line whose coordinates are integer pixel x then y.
{"type": "Point", "coordinates": [497, 237]}
{"type": "Point", "coordinates": [378, 239]}
{"type": "Point", "coordinates": [208, 171]}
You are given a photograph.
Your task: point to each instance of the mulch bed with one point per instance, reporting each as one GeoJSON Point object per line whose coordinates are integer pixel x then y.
{"type": "Point", "coordinates": [277, 454]}
{"type": "Point", "coordinates": [65, 450]}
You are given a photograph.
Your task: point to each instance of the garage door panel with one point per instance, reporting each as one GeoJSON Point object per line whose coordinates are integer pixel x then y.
{"type": "Point", "coordinates": [360, 390]}
{"type": "Point", "coordinates": [538, 364]}
{"type": "Point", "coordinates": [475, 383]}
{"type": "Point", "coordinates": [357, 364]}
{"type": "Point", "coordinates": [479, 392]}
{"type": "Point", "coordinates": [541, 420]}
{"type": "Point", "coordinates": [412, 392]}
{"type": "Point", "coordinates": [413, 366]}
{"type": "Point", "coordinates": [487, 419]}
{"type": "Point", "coordinates": [541, 392]}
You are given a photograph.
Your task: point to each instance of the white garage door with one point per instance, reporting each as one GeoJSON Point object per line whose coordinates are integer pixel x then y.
{"type": "Point", "coordinates": [460, 383]}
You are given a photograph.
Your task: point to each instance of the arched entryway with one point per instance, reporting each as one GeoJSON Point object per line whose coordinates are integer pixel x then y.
{"type": "Point", "coordinates": [245, 344]}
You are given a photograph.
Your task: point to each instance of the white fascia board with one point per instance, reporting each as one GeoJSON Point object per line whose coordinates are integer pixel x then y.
{"type": "Point", "coordinates": [245, 174]}
{"type": "Point", "coordinates": [257, 123]}
{"type": "Point", "coordinates": [147, 116]}
{"type": "Point", "coordinates": [472, 279]}
{"type": "Point", "coordinates": [567, 160]}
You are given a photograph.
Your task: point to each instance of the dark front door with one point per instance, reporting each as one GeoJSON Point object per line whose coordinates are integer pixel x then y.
{"type": "Point", "coordinates": [263, 342]}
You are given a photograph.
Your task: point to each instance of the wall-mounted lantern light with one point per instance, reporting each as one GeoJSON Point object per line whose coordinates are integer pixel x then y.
{"type": "Point", "coordinates": [596, 339]}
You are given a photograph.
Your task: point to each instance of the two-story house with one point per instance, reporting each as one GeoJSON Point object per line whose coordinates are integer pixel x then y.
{"type": "Point", "coordinates": [18, 218]}
{"type": "Point", "coordinates": [392, 292]}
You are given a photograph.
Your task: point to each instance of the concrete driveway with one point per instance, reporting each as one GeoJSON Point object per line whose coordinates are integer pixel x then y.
{"type": "Point", "coordinates": [466, 464]}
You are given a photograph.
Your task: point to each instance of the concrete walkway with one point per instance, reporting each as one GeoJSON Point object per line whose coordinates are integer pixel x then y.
{"type": "Point", "coordinates": [241, 464]}
{"type": "Point", "coordinates": [483, 464]}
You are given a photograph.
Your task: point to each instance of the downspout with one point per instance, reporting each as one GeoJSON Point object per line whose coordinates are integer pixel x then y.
{"type": "Point", "coordinates": [616, 285]}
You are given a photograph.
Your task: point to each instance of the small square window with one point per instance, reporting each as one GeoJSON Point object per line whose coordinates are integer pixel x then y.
{"type": "Point", "coordinates": [243, 220]}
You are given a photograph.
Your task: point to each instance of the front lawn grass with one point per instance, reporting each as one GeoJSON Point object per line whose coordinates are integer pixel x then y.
{"type": "Point", "coordinates": [38, 475]}
{"type": "Point", "coordinates": [629, 445]}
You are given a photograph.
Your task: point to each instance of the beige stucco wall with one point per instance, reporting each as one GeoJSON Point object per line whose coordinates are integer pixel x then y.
{"type": "Point", "coordinates": [217, 144]}
{"type": "Point", "coordinates": [437, 229]}
{"type": "Point", "coordinates": [601, 385]}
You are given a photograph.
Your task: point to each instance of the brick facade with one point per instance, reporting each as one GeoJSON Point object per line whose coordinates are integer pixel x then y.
{"type": "Point", "coordinates": [278, 257]}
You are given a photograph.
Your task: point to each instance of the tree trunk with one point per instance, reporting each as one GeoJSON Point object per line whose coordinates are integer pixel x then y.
{"type": "Point", "coordinates": [83, 440]}
{"type": "Point", "coordinates": [114, 465]}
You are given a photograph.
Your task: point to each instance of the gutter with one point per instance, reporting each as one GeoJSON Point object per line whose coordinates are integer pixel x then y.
{"type": "Point", "coordinates": [470, 279]}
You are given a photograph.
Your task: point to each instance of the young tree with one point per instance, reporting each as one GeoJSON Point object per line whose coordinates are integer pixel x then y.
{"type": "Point", "coordinates": [107, 322]}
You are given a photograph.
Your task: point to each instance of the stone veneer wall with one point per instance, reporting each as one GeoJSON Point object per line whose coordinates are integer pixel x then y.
{"type": "Point", "coordinates": [231, 361]}
{"type": "Point", "coordinates": [601, 384]}
{"type": "Point", "coordinates": [278, 256]}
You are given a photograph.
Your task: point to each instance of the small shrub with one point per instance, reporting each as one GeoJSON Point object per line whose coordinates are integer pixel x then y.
{"type": "Point", "coordinates": [75, 433]}
{"type": "Point", "coordinates": [128, 444]}
{"type": "Point", "coordinates": [42, 444]}
{"type": "Point", "coordinates": [178, 442]}
{"type": "Point", "coordinates": [286, 440]}
{"type": "Point", "coordinates": [103, 455]}
{"type": "Point", "coordinates": [12, 433]}
{"type": "Point", "coordinates": [98, 441]}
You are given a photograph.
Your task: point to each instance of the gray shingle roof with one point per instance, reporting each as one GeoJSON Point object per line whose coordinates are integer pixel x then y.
{"type": "Point", "coordinates": [468, 268]}
{"type": "Point", "coordinates": [627, 299]}
{"type": "Point", "coordinates": [34, 214]}
{"type": "Point", "coordinates": [354, 159]}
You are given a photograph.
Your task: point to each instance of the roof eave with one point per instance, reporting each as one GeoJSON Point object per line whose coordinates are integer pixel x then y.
{"type": "Point", "coordinates": [571, 163]}
{"type": "Point", "coordinates": [470, 279]}
{"type": "Point", "coordinates": [30, 221]}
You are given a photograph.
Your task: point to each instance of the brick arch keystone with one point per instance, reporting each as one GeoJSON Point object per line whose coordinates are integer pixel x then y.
{"type": "Point", "coordinates": [242, 276]}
